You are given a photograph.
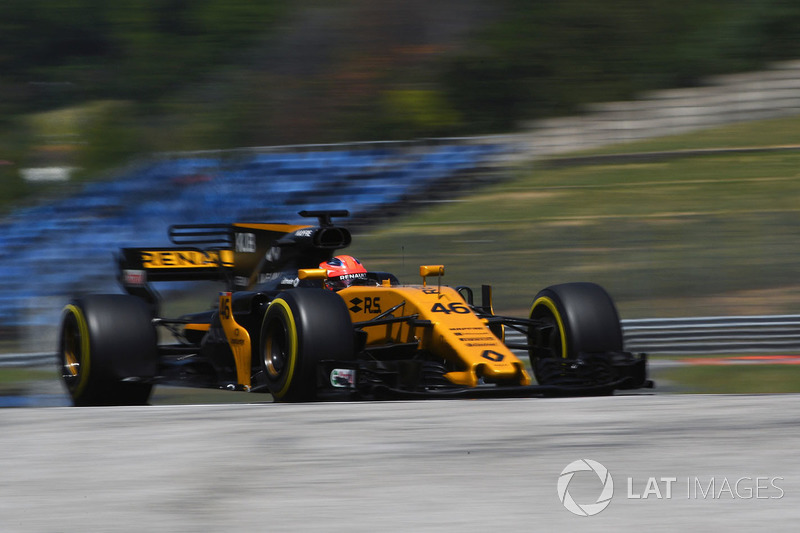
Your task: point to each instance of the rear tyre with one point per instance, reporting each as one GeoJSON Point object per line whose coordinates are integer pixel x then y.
{"type": "Point", "coordinates": [301, 328]}
{"type": "Point", "coordinates": [107, 350]}
{"type": "Point", "coordinates": [576, 321]}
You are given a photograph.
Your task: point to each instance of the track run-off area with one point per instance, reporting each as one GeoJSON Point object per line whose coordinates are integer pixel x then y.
{"type": "Point", "coordinates": [717, 462]}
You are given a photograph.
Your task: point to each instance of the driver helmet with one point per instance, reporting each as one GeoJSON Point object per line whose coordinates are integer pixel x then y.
{"type": "Point", "coordinates": [343, 271]}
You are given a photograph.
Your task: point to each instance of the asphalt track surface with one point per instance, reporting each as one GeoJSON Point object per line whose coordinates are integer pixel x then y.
{"type": "Point", "coordinates": [467, 465]}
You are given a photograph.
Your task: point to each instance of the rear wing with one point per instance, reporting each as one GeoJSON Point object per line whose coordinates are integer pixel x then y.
{"type": "Point", "coordinates": [240, 254]}
{"type": "Point", "coordinates": [140, 265]}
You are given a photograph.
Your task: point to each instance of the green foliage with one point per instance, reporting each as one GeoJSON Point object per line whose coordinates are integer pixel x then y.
{"type": "Point", "coordinates": [58, 52]}
{"type": "Point", "coordinates": [546, 58]}
{"type": "Point", "coordinates": [215, 74]}
{"type": "Point", "coordinates": [110, 134]}
{"type": "Point", "coordinates": [417, 112]}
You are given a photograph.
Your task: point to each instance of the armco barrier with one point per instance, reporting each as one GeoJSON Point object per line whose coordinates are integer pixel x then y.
{"type": "Point", "coordinates": [707, 335]}
{"type": "Point", "coordinates": [27, 359]}
{"type": "Point", "coordinates": [694, 335]}
{"type": "Point", "coordinates": [743, 334]}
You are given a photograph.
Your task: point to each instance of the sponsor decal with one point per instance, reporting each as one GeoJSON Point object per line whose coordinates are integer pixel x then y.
{"type": "Point", "coordinates": [246, 242]}
{"type": "Point", "coordinates": [185, 259]}
{"type": "Point", "coordinates": [372, 305]}
{"type": "Point", "coordinates": [360, 275]}
{"type": "Point", "coordinates": [265, 277]}
{"type": "Point", "coordinates": [134, 278]}
{"type": "Point", "coordinates": [491, 355]}
{"type": "Point", "coordinates": [474, 336]}
{"type": "Point", "coordinates": [343, 377]}
{"type": "Point", "coordinates": [273, 255]}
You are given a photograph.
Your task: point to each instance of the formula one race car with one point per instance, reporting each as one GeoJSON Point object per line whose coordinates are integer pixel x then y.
{"type": "Point", "coordinates": [284, 327]}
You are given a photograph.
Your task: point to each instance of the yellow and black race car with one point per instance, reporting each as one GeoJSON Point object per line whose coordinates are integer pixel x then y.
{"type": "Point", "coordinates": [283, 327]}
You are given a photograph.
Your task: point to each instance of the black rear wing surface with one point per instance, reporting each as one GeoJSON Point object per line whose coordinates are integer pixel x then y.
{"type": "Point", "coordinates": [241, 254]}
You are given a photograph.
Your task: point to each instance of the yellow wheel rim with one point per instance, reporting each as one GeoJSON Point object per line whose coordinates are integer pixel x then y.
{"type": "Point", "coordinates": [75, 348]}
{"type": "Point", "coordinates": [551, 306]}
{"type": "Point", "coordinates": [291, 349]}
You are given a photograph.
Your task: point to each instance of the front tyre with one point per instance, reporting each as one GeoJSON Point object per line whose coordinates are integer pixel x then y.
{"type": "Point", "coordinates": [107, 350]}
{"type": "Point", "coordinates": [574, 321]}
{"type": "Point", "coordinates": [301, 328]}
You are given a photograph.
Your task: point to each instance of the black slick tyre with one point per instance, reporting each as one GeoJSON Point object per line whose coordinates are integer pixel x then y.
{"type": "Point", "coordinates": [576, 319]}
{"type": "Point", "coordinates": [301, 328]}
{"type": "Point", "coordinates": [107, 350]}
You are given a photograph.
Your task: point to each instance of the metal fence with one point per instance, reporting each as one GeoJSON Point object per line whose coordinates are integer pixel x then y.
{"type": "Point", "coordinates": [707, 335]}
{"type": "Point", "coordinates": [27, 359]}
{"type": "Point", "coordinates": [696, 335]}
{"type": "Point", "coordinates": [742, 334]}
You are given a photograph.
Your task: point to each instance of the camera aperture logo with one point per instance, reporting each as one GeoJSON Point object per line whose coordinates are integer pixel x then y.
{"type": "Point", "coordinates": [585, 509]}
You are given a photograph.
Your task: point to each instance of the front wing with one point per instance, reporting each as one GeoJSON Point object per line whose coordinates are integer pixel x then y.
{"type": "Point", "coordinates": [363, 380]}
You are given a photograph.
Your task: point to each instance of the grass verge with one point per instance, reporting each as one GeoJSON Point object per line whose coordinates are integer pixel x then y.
{"type": "Point", "coordinates": [732, 379]}
{"type": "Point", "coordinates": [700, 235]}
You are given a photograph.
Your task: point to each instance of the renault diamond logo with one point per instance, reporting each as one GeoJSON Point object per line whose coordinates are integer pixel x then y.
{"type": "Point", "coordinates": [356, 301]}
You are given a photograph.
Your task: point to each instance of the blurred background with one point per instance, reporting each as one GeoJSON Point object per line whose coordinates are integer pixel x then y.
{"type": "Point", "coordinates": [647, 145]}
{"type": "Point", "coordinates": [136, 77]}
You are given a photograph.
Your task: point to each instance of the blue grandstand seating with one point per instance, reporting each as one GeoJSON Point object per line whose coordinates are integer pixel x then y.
{"type": "Point", "coordinates": [66, 247]}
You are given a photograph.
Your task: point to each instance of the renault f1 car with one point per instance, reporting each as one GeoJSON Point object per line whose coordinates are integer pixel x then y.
{"type": "Point", "coordinates": [277, 329]}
